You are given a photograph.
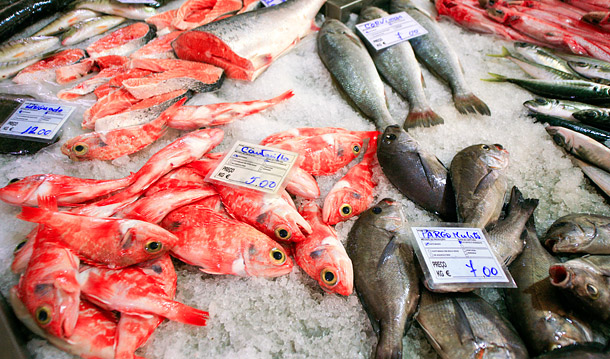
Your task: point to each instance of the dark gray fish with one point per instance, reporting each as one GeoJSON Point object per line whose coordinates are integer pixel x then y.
{"type": "Point", "coordinates": [587, 279]}
{"type": "Point", "coordinates": [350, 64]}
{"type": "Point", "coordinates": [416, 173]}
{"type": "Point", "coordinates": [535, 307]}
{"type": "Point", "coordinates": [466, 326]}
{"type": "Point", "coordinates": [435, 51]}
{"type": "Point", "coordinates": [399, 67]}
{"type": "Point", "coordinates": [599, 118]}
{"type": "Point", "coordinates": [505, 237]}
{"type": "Point", "coordinates": [579, 233]}
{"type": "Point", "coordinates": [385, 275]}
{"type": "Point", "coordinates": [479, 183]}
{"type": "Point", "coordinates": [19, 14]}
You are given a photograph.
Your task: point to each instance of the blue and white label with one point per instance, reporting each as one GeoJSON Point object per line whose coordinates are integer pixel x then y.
{"type": "Point", "coordinates": [390, 30]}
{"type": "Point", "coordinates": [37, 120]}
{"type": "Point", "coordinates": [268, 3]}
{"type": "Point", "coordinates": [254, 166]}
{"type": "Point", "coordinates": [459, 255]}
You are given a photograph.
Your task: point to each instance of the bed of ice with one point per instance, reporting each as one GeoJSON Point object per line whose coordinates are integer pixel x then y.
{"type": "Point", "coordinates": [290, 316]}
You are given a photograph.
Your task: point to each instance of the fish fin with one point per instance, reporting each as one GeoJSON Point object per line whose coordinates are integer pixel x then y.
{"type": "Point", "coordinates": [487, 181]}
{"type": "Point", "coordinates": [462, 325]}
{"type": "Point", "coordinates": [33, 214]}
{"type": "Point", "coordinates": [505, 53]}
{"type": "Point", "coordinates": [429, 171]}
{"type": "Point", "coordinates": [183, 313]}
{"type": "Point", "coordinates": [517, 201]}
{"type": "Point", "coordinates": [496, 78]}
{"type": "Point", "coordinates": [374, 322]}
{"type": "Point", "coordinates": [470, 104]}
{"type": "Point", "coordinates": [48, 203]}
{"type": "Point", "coordinates": [425, 118]}
{"type": "Point", "coordinates": [387, 252]}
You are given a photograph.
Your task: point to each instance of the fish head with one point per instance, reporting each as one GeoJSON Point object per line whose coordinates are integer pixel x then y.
{"type": "Point", "coordinates": [263, 257]}
{"type": "Point", "coordinates": [541, 105]}
{"type": "Point", "coordinates": [583, 279]}
{"type": "Point", "coordinates": [588, 115]}
{"type": "Point", "coordinates": [22, 313]}
{"type": "Point", "coordinates": [494, 157]}
{"type": "Point", "coordinates": [370, 13]}
{"type": "Point", "coordinates": [343, 203]}
{"type": "Point", "coordinates": [395, 141]}
{"type": "Point", "coordinates": [141, 241]}
{"type": "Point", "coordinates": [568, 234]}
{"type": "Point", "coordinates": [499, 15]}
{"type": "Point", "coordinates": [281, 220]}
{"type": "Point", "coordinates": [328, 263]}
{"type": "Point", "coordinates": [22, 253]}
{"type": "Point", "coordinates": [19, 191]}
{"type": "Point", "coordinates": [81, 147]}
{"type": "Point", "coordinates": [385, 215]}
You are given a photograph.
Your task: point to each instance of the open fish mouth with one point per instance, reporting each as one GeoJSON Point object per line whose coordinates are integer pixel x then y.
{"type": "Point", "coordinates": [559, 275]}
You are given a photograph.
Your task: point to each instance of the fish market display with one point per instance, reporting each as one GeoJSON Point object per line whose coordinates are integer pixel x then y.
{"type": "Point", "coordinates": [579, 233]}
{"type": "Point", "coordinates": [557, 108]}
{"type": "Point", "coordinates": [384, 274]}
{"type": "Point", "coordinates": [596, 117]}
{"type": "Point", "coordinates": [44, 70]}
{"type": "Point", "coordinates": [123, 41]}
{"type": "Point", "coordinates": [246, 44]}
{"type": "Point", "coordinates": [537, 70]}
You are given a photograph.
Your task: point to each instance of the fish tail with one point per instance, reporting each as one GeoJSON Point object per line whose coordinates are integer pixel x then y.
{"type": "Point", "coordinates": [389, 345]}
{"type": "Point", "coordinates": [496, 78]}
{"type": "Point", "coordinates": [182, 313]}
{"type": "Point", "coordinates": [424, 119]}
{"type": "Point", "coordinates": [469, 103]}
{"type": "Point", "coordinates": [285, 96]}
{"type": "Point", "coordinates": [505, 53]}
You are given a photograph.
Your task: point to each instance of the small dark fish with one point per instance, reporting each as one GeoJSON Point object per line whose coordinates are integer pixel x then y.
{"type": "Point", "coordinates": [466, 326]}
{"type": "Point", "coordinates": [579, 233]}
{"type": "Point", "coordinates": [385, 275]}
{"type": "Point", "coordinates": [599, 118]}
{"type": "Point", "coordinates": [595, 133]}
{"type": "Point", "coordinates": [417, 174]}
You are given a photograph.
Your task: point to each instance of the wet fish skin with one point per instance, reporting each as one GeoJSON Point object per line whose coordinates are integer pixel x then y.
{"type": "Point", "coordinates": [435, 51]}
{"type": "Point", "coordinates": [587, 279]}
{"type": "Point", "coordinates": [130, 11]}
{"type": "Point", "coordinates": [536, 70]}
{"type": "Point", "coordinates": [63, 22]}
{"type": "Point", "coordinates": [581, 146]}
{"type": "Point", "coordinates": [535, 308]}
{"type": "Point", "coordinates": [600, 177]}
{"type": "Point", "coordinates": [479, 183]}
{"type": "Point", "coordinates": [557, 108]}
{"type": "Point", "coordinates": [88, 28]}
{"type": "Point", "coordinates": [416, 173]}
{"type": "Point", "coordinates": [27, 48]}
{"type": "Point", "coordinates": [542, 56]}
{"type": "Point", "coordinates": [385, 276]}
{"type": "Point", "coordinates": [599, 117]}
{"type": "Point", "coordinates": [466, 326]}
{"type": "Point", "coordinates": [398, 65]}
{"type": "Point", "coordinates": [585, 351]}
{"type": "Point", "coordinates": [350, 64]}
{"type": "Point", "coordinates": [579, 233]}
{"type": "Point", "coordinates": [596, 72]}
{"type": "Point", "coordinates": [595, 133]}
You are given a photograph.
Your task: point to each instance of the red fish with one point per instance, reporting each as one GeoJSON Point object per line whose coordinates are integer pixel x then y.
{"type": "Point", "coordinates": [68, 73]}
{"type": "Point", "coordinates": [322, 256]}
{"type": "Point", "coordinates": [220, 245]}
{"type": "Point", "coordinates": [23, 252]}
{"type": "Point", "coordinates": [44, 70]}
{"type": "Point", "coordinates": [123, 41]}
{"type": "Point", "coordinates": [194, 13]}
{"type": "Point", "coordinates": [115, 102]}
{"type": "Point", "coordinates": [301, 132]}
{"type": "Point", "coordinates": [181, 177]}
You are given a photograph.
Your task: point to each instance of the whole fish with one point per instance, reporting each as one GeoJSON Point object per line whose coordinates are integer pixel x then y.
{"type": "Point", "coordinates": [416, 173]}
{"type": "Point", "coordinates": [23, 252]}
{"type": "Point", "coordinates": [130, 11]}
{"type": "Point", "coordinates": [220, 245]}
{"type": "Point", "coordinates": [301, 132]}
{"type": "Point", "coordinates": [10, 69]}
{"type": "Point", "coordinates": [65, 21]}
{"type": "Point", "coordinates": [599, 118]}
{"type": "Point", "coordinates": [590, 131]}
{"type": "Point", "coordinates": [49, 287]}
{"type": "Point", "coordinates": [353, 193]}
{"type": "Point", "coordinates": [479, 183]}
{"type": "Point", "coordinates": [247, 43]}
{"type": "Point", "coordinates": [505, 237]}
{"type": "Point", "coordinates": [579, 233]}
{"type": "Point", "coordinates": [536, 70]}
{"type": "Point", "coordinates": [557, 108]}
{"type": "Point", "coordinates": [542, 318]}
{"type": "Point", "coordinates": [596, 72]}
{"type": "Point", "coordinates": [27, 48]}
{"type": "Point", "coordinates": [398, 65]}
{"type": "Point", "coordinates": [600, 177]}
{"type": "Point", "coordinates": [587, 280]}
{"type": "Point", "coordinates": [179, 178]}
{"type": "Point", "coordinates": [322, 256]}
{"type": "Point", "coordinates": [466, 326]}
{"type": "Point", "coordinates": [435, 51]}
{"type": "Point", "coordinates": [385, 275]}
{"type": "Point", "coordinates": [89, 28]}
{"type": "Point", "coordinates": [581, 146]}
{"type": "Point", "coordinates": [350, 64]}
{"type": "Point", "coordinates": [543, 56]}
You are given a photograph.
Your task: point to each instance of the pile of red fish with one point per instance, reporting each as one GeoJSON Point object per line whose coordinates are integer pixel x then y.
{"type": "Point", "coordinates": [109, 248]}
{"type": "Point", "coordinates": [580, 27]}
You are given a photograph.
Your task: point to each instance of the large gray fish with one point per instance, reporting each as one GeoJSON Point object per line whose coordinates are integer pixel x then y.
{"type": "Point", "coordinates": [588, 280]}
{"type": "Point", "coordinates": [466, 326]}
{"type": "Point", "coordinates": [417, 174]}
{"type": "Point", "coordinates": [350, 64]}
{"type": "Point", "coordinates": [479, 183]}
{"type": "Point", "coordinates": [535, 307]}
{"type": "Point", "coordinates": [581, 146]}
{"type": "Point", "coordinates": [434, 50]}
{"type": "Point", "coordinates": [579, 233]}
{"type": "Point", "coordinates": [399, 67]}
{"type": "Point", "coordinates": [505, 237]}
{"type": "Point", "coordinates": [385, 275]}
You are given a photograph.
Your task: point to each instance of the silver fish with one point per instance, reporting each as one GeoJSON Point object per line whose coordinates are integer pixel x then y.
{"type": "Point", "coordinates": [385, 276]}
{"type": "Point", "coordinates": [466, 326]}
{"type": "Point", "coordinates": [536, 70]}
{"type": "Point", "coordinates": [579, 233]}
{"type": "Point", "coordinates": [130, 11]}
{"type": "Point", "coordinates": [399, 67]}
{"type": "Point", "coordinates": [435, 51]}
{"type": "Point", "coordinates": [27, 48]}
{"type": "Point", "coordinates": [349, 62]}
{"type": "Point", "coordinates": [479, 183]}
{"type": "Point", "coordinates": [596, 72]}
{"type": "Point", "coordinates": [542, 56]}
{"type": "Point", "coordinates": [10, 69]}
{"type": "Point", "coordinates": [557, 108]}
{"type": "Point", "coordinates": [581, 146]}
{"type": "Point", "coordinates": [88, 28]}
{"type": "Point", "coordinates": [63, 22]}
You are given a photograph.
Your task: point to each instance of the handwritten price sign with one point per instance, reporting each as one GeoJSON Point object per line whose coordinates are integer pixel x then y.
{"type": "Point", "coordinates": [390, 30]}
{"type": "Point", "coordinates": [36, 120]}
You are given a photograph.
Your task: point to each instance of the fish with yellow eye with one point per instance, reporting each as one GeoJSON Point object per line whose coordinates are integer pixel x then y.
{"type": "Point", "coordinates": [220, 245]}
{"type": "Point", "coordinates": [322, 256]}
{"type": "Point", "coordinates": [353, 193]}
{"type": "Point", "coordinates": [49, 287]}
{"type": "Point", "coordinates": [111, 242]}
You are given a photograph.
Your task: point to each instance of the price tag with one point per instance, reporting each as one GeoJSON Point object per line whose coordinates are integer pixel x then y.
{"type": "Point", "coordinates": [457, 256]}
{"type": "Point", "coordinates": [254, 166]}
{"type": "Point", "coordinates": [36, 120]}
{"type": "Point", "coordinates": [390, 30]}
{"type": "Point", "coordinates": [268, 3]}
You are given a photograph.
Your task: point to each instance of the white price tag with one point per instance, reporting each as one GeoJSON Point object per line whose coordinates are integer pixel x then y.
{"type": "Point", "coordinates": [254, 166]}
{"type": "Point", "coordinates": [36, 120]}
{"type": "Point", "coordinates": [459, 255]}
{"type": "Point", "coordinates": [268, 3]}
{"type": "Point", "coordinates": [390, 30]}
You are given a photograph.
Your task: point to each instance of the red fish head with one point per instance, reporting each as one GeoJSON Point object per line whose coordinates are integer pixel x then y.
{"type": "Point", "coordinates": [141, 241]}
{"type": "Point", "coordinates": [499, 15]}
{"type": "Point", "coordinates": [18, 191]}
{"type": "Point", "coordinates": [332, 268]}
{"type": "Point", "coordinates": [345, 203]}
{"type": "Point", "coordinates": [266, 258]}
{"type": "Point", "coordinates": [281, 221]}
{"type": "Point", "coordinates": [80, 148]}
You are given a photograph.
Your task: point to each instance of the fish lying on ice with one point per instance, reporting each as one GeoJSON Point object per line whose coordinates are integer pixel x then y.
{"type": "Point", "coordinates": [579, 233]}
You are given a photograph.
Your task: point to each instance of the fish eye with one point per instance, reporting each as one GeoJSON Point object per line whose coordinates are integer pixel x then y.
{"type": "Point", "coordinates": [80, 148]}
{"type": "Point", "coordinates": [485, 147]}
{"type": "Point", "coordinates": [282, 233]}
{"type": "Point", "coordinates": [356, 149]}
{"type": "Point", "coordinates": [345, 210]}
{"type": "Point", "coordinates": [328, 277]}
{"type": "Point", "coordinates": [499, 12]}
{"type": "Point", "coordinates": [14, 180]}
{"type": "Point", "coordinates": [592, 291]}
{"type": "Point", "coordinates": [277, 256]}
{"type": "Point", "coordinates": [540, 101]}
{"type": "Point", "coordinates": [20, 245]}
{"type": "Point", "coordinates": [376, 210]}
{"type": "Point", "coordinates": [43, 315]}
{"type": "Point", "coordinates": [390, 137]}
{"type": "Point", "coordinates": [153, 247]}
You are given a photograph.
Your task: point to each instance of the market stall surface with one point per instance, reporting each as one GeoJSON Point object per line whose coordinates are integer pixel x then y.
{"type": "Point", "coordinates": [290, 316]}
